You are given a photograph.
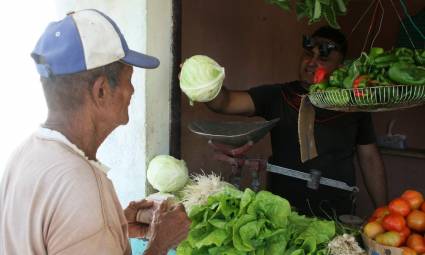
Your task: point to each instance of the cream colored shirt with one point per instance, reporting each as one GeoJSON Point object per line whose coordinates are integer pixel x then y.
{"type": "Point", "coordinates": [53, 200]}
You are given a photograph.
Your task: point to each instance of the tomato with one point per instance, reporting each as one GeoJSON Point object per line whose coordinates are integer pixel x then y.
{"type": "Point", "coordinates": [394, 222]}
{"type": "Point", "coordinates": [416, 242]}
{"type": "Point", "coordinates": [405, 233]}
{"type": "Point", "coordinates": [379, 214]}
{"type": "Point", "coordinates": [372, 229]}
{"type": "Point", "coordinates": [390, 238]}
{"type": "Point", "coordinates": [416, 220]}
{"type": "Point", "coordinates": [414, 198]}
{"type": "Point", "coordinates": [408, 251]}
{"type": "Point", "coordinates": [400, 206]}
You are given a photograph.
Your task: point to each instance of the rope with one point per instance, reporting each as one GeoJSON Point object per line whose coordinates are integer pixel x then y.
{"type": "Point", "coordinates": [380, 23]}
{"type": "Point", "coordinates": [403, 5]}
{"type": "Point", "coordinates": [370, 26]}
{"type": "Point", "coordinates": [362, 17]}
{"type": "Point", "coordinates": [402, 24]}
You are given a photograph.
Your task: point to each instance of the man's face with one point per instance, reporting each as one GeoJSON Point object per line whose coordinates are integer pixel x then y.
{"type": "Point", "coordinates": [120, 97]}
{"type": "Point", "coordinates": [311, 59]}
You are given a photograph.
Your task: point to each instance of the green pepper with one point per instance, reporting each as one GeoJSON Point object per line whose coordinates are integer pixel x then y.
{"type": "Point", "coordinates": [384, 60]}
{"type": "Point", "coordinates": [420, 57]}
{"type": "Point", "coordinates": [354, 70]}
{"type": "Point", "coordinates": [383, 79]}
{"type": "Point", "coordinates": [405, 52]}
{"type": "Point", "coordinates": [407, 74]}
{"type": "Point", "coordinates": [375, 51]}
{"type": "Point", "coordinates": [318, 87]}
{"type": "Point", "coordinates": [404, 55]}
{"type": "Point", "coordinates": [337, 77]}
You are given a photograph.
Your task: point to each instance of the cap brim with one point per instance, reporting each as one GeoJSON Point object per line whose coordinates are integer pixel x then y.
{"type": "Point", "coordinates": [140, 60]}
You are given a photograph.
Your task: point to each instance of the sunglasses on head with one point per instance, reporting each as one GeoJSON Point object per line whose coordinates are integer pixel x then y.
{"type": "Point", "coordinates": [325, 47]}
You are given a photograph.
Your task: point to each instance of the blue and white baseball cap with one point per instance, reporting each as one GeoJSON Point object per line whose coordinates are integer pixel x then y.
{"type": "Point", "coordinates": [82, 41]}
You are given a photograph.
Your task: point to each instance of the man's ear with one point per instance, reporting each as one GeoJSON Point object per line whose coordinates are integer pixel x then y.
{"type": "Point", "coordinates": [99, 90]}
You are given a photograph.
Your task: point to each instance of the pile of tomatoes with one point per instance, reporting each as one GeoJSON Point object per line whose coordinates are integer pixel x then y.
{"type": "Point", "coordinates": [400, 224]}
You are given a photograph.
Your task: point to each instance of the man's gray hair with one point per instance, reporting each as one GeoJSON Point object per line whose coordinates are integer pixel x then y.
{"type": "Point", "coordinates": [66, 92]}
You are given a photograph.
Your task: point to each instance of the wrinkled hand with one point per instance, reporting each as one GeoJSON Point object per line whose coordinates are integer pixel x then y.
{"type": "Point", "coordinates": [170, 226]}
{"type": "Point", "coordinates": [136, 229]}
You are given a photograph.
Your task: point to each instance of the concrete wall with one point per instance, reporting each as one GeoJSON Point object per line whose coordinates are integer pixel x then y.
{"type": "Point", "coordinates": [129, 148]}
{"type": "Point", "coordinates": [258, 44]}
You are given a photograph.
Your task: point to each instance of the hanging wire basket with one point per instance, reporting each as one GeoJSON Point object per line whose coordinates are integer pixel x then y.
{"type": "Point", "coordinates": [370, 99]}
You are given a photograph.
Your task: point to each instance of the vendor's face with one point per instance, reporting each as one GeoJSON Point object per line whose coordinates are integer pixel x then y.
{"type": "Point", "coordinates": [121, 97]}
{"type": "Point", "coordinates": [311, 59]}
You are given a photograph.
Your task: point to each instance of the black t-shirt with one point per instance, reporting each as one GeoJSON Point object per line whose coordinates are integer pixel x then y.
{"type": "Point", "coordinates": [336, 134]}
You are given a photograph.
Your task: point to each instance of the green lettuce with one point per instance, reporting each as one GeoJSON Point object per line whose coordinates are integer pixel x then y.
{"type": "Point", "coordinates": [248, 223]}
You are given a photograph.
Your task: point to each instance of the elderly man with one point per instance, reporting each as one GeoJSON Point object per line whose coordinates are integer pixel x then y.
{"type": "Point", "coordinates": [55, 197]}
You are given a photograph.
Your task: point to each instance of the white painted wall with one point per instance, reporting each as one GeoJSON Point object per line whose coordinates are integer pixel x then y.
{"type": "Point", "coordinates": [22, 105]}
{"type": "Point", "coordinates": [146, 25]}
{"type": "Point", "coordinates": [158, 100]}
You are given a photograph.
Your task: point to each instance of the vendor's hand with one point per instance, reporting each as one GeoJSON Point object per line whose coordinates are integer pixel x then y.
{"type": "Point", "coordinates": [169, 227]}
{"type": "Point", "coordinates": [136, 229]}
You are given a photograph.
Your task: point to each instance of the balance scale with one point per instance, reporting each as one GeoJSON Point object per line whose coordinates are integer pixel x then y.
{"type": "Point", "coordinates": [232, 140]}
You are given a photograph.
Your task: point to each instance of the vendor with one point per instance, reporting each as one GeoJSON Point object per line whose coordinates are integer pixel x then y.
{"type": "Point", "coordinates": [338, 135]}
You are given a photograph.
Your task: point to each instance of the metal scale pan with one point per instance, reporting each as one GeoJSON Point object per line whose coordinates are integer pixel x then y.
{"type": "Point", "coordinates": [234, 134]}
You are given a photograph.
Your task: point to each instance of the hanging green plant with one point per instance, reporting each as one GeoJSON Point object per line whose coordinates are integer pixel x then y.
{"type": "Point", "coordinates": [316, 10]}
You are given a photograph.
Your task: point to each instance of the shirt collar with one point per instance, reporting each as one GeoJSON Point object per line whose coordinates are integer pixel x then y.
{"type": "Point", "coordinates": [50, 134]}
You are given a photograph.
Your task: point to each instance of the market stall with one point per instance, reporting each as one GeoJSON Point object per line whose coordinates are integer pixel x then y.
{"type": "Point", "coordinates": [384, 79]}
{"type": "Point", "coordinates": [232, 213]}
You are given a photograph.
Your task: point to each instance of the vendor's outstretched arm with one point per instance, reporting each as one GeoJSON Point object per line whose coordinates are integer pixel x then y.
{"type": "Point", "coordinates": [373, 172]}
{"type": "Point", "coordinates": [232, 102]}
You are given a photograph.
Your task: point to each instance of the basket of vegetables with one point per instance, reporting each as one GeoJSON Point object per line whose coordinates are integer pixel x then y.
{"type": "Point", "coordinates": [378, 81]}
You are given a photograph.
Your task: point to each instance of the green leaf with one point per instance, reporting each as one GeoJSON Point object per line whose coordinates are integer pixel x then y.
{"type": "Point", "coordinates": [310, 8]}
{"type": "Point", "coordinates": [321, 231]}
{"type": "Point", "coordinates": [298, 252]}
{"type": "Point", "coordinates": [317, 10]}
{"type": "Point", "coordinates": [275, 208]}
{"type": "Point", "coordinates": [341, 6]}
{"type": "Point", "coordinates": [238, 242]}
{"type": "Point", "coordinates": [184, 248]}
{"type": "Point", "coordinates": [218, 223]}
{"type": "Point", "coordinates": [330, 16]}
{"type": "Point", "coordinates": [224, 250]}
{"type": "Point", "coordinates": [216, 237]}
{"type": "Point", "coordinates": [301, 10]}
{"type": "Point", "coordinates": [283, 4]}
{"type": "Point", "coordinates": [247, 198]}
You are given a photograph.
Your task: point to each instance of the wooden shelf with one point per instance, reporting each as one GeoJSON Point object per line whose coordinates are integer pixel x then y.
{"type": "Point", "coordinates": [410, 153]}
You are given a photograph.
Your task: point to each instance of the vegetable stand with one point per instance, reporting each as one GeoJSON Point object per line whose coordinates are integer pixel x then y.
{"type": "Point", "coordinates": [232, 140]}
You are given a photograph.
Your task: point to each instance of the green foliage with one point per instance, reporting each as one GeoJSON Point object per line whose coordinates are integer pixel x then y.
{"type": "Point", "coordinates": [250, 223]}
{"type": "Point", "coordinates": [316, 10]}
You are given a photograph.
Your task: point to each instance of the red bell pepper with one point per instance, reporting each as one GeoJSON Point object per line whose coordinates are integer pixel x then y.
{"type": "Point", "coordinates": [360, 81]}
{"type": "Point", "coordinates": [319, 75]}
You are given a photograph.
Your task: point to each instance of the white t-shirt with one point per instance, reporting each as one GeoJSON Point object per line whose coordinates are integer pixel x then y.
{"type": "Point", "coordinates": [53, 200]}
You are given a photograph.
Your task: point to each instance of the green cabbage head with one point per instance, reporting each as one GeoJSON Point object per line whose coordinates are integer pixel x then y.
{"type": "Point", "coordinates": [201, 78]}
{"type": "Point", "coordinates": [167, 174]}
